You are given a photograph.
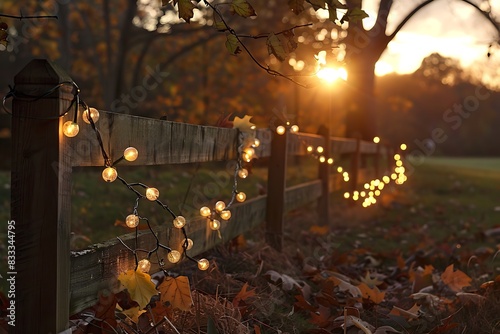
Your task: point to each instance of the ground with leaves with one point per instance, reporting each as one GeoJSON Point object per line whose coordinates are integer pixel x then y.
{"type": "Point", "coordinates": [422, 261]}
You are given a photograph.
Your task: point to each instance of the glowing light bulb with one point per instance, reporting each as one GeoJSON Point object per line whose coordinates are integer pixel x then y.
{"type": "Point", "coordinates": [144, 266]}
{"type": "Point", "coordinates": [130, 153]}
{"type": "Point", "coordinates": [174, 256]}
{"type": "Point", "coordinates": [339, 169]}
{"type": "Point", "coordinates": [203, 264]}
{"type": "Point", "coordinates": [310, 148]}
{"type": "Point", "coordinates": [152, 194]}
{"type": "Point", "coordinates": [249, 151]}
{"type": "Point", "coordinates": [376, 140]}
{"type": "Point", "coordinates": [246, 157]}
{"type": "Point", "coordinates": [220, 205]}
{"type": "Point", "coordinates": [381, 186]}
{"type": "Point", "coordinates": [190, 244]}
{"type": "Point", "coordinates": [294, 128]}
{"type": "Point", "coordinates": [94, 114]}
{"type": "Point", "coordinates": [132, 221]}
{"type": "Point", "coordinates": [366, 186]}
{"type": "Point", "coordinates": [330, 161]}
{"type": "Point", "coordinates": [280, 130]}
{"type": "Point", "coordinates": [205, 211]}
{"type": "Point", "coordinates": [214, 224]}
{"type": "Point", "coordinates": [226, 214]}
{"type": "Point", "coordinates": [377, 192]}
{"type": "Point", "coordinates": [403, 147]}
{"type": "Point", "coordinates": [243, 173]}
{"type": "Point", "coordinates": [241, 196]}
{"type": "Point", "coordinates": [320, 149]}
{"type": "Point", "coordinates": [179, 222]}
{"type": "Point", "coordinates": [256, 143]}
{"type": "Point", "coordinates": [109, 174]}
{"type": "Point", "coordinates": [70, 129]}
{"type": "Point", "coordinates": [362, 194]}
{"type": "Point", "coordinates": [346, 195]}
{"type": "Point", "coordinates": [322, 159]}
{"type": "Point", "coordinates": [386, 179]}
{"type": "Point", "coordinates": [397, 156]}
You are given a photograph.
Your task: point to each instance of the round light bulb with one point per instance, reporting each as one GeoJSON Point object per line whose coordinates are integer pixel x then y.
{"type": "Point", "coordinates": [179, 222]}
{"type": "Point", "coordinates": [130, 153]}
{"type": "Point", "coordinates": [203, 264]}
{"type": "Point", "coordinates": [109, 174]}
{"type": "Point", "coordinates": [330, 161]}
{"type": "Point", "coordinates": [280, 130]}
{"type": "Point", "coordinates": [144, 265]}
{"type": "Point", "coordinates": [246, 157]}
{"type": "Point", "coordinates": [250, 151]}
{"type": "Point", "coordinates": [320, 149]}
{"type": "Point", "coordinates": [241, 196]}
{"type": "Point", "coordinates": [152, 194]}
{"type": "Point", "coordinates": [132, 221]}
{"type": "Point", "coordinates": [294, 128]}
{"type": "Point", "coordinates": [322, 159]}
{"type": "Point", "coordinates": [376, 140]}
{"type": "Point", "coordinates": [243, 173]}
{"type": "Point", "coordinates": [205, 211]}
{"type": "Point", "coordinates": [226, 214]}
{"type": "Point", "coordinates": [340, 169]}
{"type": "Point", "coordinates": [214, 224]}
{"type": "Point", "coordinates": [220, 205]}
{"type": "Point", "coordinates": [190, 244]}
{"type": "Point", "coordinates": [174, 256]}
{"type": "Point", "coordinates": [70, 129]}
{"type": "Point", "coordinates": [256, 142]}
{"type": "Point", "coordinates": [346, 195]}
{"type": "Point", "coordinates": [94, 114]}
{"type": "Point", "coordinates": [310, 148]}
{"type": "Point", "coordinates": [403, 147]}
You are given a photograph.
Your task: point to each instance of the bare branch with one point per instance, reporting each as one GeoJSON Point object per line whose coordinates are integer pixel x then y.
{"type": "Point", "coordinates": [29, 17]}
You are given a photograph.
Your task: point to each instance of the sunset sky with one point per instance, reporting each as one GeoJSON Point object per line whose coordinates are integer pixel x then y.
{"type": "Point", "coordinates": [448, 27]}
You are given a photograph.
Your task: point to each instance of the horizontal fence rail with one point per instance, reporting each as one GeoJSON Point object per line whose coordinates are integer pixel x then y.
{"type": "Point", "coordinates": [76, 277]}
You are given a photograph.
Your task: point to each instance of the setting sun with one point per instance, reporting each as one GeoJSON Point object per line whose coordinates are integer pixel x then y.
{"type": "Point", "coordinates": [382, 68]}
{"type": "Point", "coordinates": [331, 75]}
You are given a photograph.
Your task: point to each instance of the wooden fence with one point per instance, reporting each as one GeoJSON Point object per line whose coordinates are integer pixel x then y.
{"type": "Point", "coordinates": [51, 282]}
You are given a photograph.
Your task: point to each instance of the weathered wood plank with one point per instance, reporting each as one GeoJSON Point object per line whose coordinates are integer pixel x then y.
{"type": "Point", "coordinates": [98, 266]}
{"type": "Point", "coordinates": [41, 195]}
{"type": "Point", "coordinates": [158, 141]}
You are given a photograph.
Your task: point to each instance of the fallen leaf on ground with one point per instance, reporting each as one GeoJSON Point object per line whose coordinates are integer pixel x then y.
{"type": "Point", "coordinates": [456, 280]}
{"type": "Point", "coordinates": [177, 292]}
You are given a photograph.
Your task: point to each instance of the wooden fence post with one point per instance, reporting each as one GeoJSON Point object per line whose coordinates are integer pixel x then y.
{"type": "Point", "coordinates": [276, 185]}
{"type": "Point", "coordinates": [40, 197]}
{"type": "Point", "coordinates": [323, 205]}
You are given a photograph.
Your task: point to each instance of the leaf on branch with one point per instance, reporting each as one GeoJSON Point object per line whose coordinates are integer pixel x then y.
{"type": "Point", "coordinates": [291, 44]}
{"type": "Point", "coordinates": [232, 44]}
{"type": "Point", "coordinates": [242, 8]}
{"type": "Point", "coordinates": [243, 124]}
{"type": "Point", "coordinates": [456, 280]}
{"type": "Point", "coordinates": [139, 286]}
{"type": "Point", "coordinates": [177, 292]}
{"type": "Point", "coordinates": [185, 8]}
{"type": "Point", "coordinates": [354, 15]}
{"type": "Point", "coordinates": [317, 4]}
{"type": "Point", "coordinates": [296, 6]}
{"type": "Point", "coordinates": [275, 47]}
{"type": "Point", "coordinates": [218, 23]}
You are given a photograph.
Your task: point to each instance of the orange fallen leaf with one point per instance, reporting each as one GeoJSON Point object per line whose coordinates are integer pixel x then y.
{"type": "Point", "coordinates": [177, 292]}
{"type": "Point", "coordinates": [456, 280]}
{"type": "Point", "coordinates": [372, 294]}
{"type": "Point", "coordinates": [410, 314]}
{"type": "Point", "coordinates": [303, 304]}
{"type": "Point", "coordinates": [243, 295]}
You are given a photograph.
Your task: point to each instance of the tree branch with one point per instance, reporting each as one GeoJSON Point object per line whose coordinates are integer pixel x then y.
{"type": "Point", "coordinates": [278, 33]}
{"type": "Point", "coordinates": [383, 14]}
{"type": "Point", "coordinates": [29, 17]}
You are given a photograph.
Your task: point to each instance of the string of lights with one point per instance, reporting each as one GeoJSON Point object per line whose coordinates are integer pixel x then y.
{"type": "Point", "coordinates": [372, 189]}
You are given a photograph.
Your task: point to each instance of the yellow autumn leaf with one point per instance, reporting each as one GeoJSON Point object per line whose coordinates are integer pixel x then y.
{"type": "Point", "coordinates": [133, 313]}
{"type": "Point", "coordinates": [177, 292]}
{"type": "Point", "coordinates": [244, 124]}
{"type": "Point", "coordinates": [456, 280]}
{"type": "Point", "coordinates": [139, 286]}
